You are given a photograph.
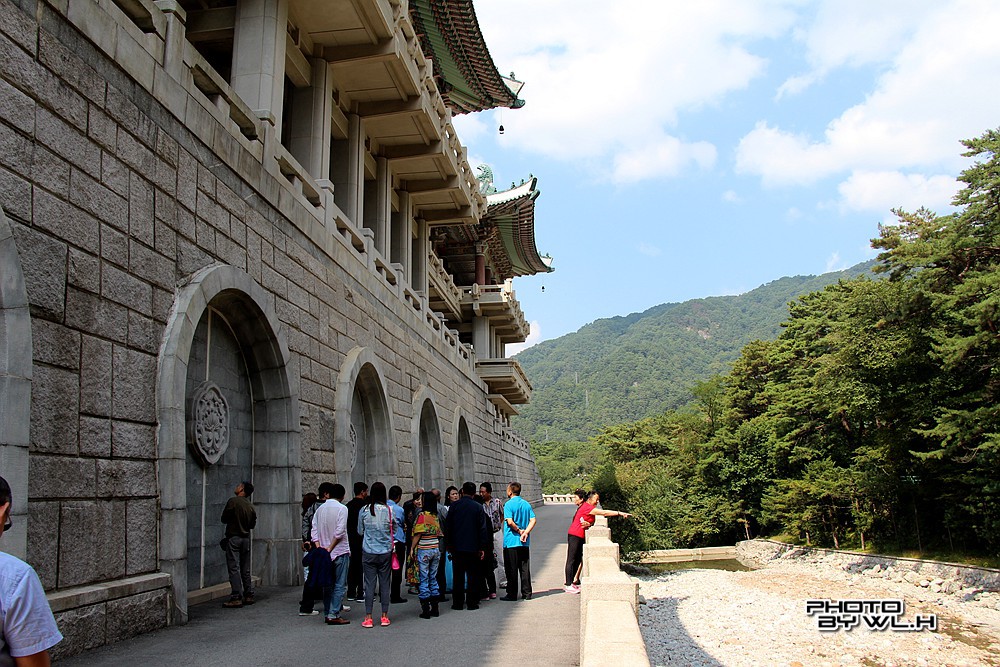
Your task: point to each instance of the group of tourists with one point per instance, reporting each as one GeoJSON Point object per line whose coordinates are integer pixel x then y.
{"type": "Point", "coordinates": [373, 541]}
{"type": "Point", "coordinates": [352, 550]}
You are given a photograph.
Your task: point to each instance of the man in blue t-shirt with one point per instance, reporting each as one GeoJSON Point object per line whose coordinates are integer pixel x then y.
{"type": "Point", "coordinates": [519, 521]}
{"type": "Point", "coordinates": [27, 628]}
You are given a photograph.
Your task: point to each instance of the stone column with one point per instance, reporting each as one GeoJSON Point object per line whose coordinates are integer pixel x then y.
{"type": "Point", "coordinates": [353, 184]}
{"type": "Point", "coordinates": [481, 337]}
{"type": "Point", "coordinates": [259, 56]}
{"type": "Point", "coordinates": [174, 40]}
{"type": "Point", "coordinates": [402, 247]}
{"type": "Point", "coordinates": [480, 265]}
{"type": "Point", "coordinates": [383, 206]}
{"type": "Point", "coordinates": [421, 251]}
{"type": "Point", "coordinates": [310, 133]}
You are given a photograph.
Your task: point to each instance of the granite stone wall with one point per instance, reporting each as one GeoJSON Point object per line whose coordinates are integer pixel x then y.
{"type": "Point", "coordinates": [119, 184]}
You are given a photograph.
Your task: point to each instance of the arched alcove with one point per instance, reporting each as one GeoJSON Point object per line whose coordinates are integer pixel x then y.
{"type": "Point", "coordinates": [15, 387]}
{"type": "Point", "coordinates": [465, 470]}
{"type": "Point", "coordinates": [426, 446]}
{"type": "Point", "coordinates": [225, 373]}
{"type": "Point", "coordinates": [363, 442]}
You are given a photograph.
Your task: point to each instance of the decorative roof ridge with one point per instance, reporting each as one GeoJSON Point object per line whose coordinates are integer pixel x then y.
{"type": "Point", "coordinates": [526, 188]}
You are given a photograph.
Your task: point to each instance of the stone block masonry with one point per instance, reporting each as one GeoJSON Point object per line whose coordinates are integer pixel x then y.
{"type": "Point", "coordinates": [115, 192]}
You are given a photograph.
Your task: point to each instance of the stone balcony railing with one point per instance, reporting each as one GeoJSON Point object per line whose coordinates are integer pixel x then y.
{"type": "Point", "coordinates": [498, 303]}
{"type": "Point", "coordinates": [447, 295]}
{"type": "Point", "coordinates": [507, 382]}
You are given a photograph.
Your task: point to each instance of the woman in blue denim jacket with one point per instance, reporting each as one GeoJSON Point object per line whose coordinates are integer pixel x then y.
{"type": "Point", "coordinates": [375, 527]}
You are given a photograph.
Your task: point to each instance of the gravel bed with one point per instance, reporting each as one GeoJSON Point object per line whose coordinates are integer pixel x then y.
{"type": "Point", "coordinates": [713, 617]}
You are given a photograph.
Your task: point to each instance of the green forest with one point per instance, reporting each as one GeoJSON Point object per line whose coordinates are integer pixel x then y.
{"type": "Point", "coordinates": [870, 421]}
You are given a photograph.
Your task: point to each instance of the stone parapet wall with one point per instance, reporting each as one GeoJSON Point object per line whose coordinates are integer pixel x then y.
{"type": "Point", "coordinates": [967, 582]}
{"type": "Point", "coordinates": [609, 604]}
{"type": "Point", "coordinates": [90, 616]}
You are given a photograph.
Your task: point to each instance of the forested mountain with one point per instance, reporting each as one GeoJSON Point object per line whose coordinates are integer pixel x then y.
{"type": "Point", "coordinates": [626, 368]}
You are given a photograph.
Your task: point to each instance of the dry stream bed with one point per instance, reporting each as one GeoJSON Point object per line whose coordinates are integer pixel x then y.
{"type": "Point", "coordinates": [711, 617]}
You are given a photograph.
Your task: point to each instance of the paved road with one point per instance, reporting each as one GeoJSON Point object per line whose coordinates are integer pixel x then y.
{"type": "Point", "coordinates": [540, 631]}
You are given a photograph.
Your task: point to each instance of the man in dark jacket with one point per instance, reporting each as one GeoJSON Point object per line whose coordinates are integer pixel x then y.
{"type": "Point", "coordinates": [240, 518]}
{"type": "Point", "coordinates": [467, 536]}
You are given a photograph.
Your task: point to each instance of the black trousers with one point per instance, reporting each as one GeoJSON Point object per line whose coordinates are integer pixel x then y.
{"type": "Point", "coordinates": [355, 581]}
{"type": "Point", "coordinates": [238, 562]}
{"type": "Point", "coordinates": [442, 576]}
{"type": "Point", "coordinates": [574, 558]}
{"type": "Point", "coordinates": [309, 596]}
{"type": "Point", "coordinates": [516, 564]}
{"type": "Point", "coordinates": [397, 575]}
{"type": "Point", "coordinates": [466, 579]}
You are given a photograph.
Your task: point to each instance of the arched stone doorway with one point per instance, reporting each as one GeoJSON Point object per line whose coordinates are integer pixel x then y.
{"type": "Point", "coordinates": [15, 386]}
{"type": "Point", "coordinates": [220, 400]}
{"type": "Point", "coordinates": [363, 446]}
{"type": "Point", "coordinates": [466, 469]}
{"type": "Point", "coordinates": [428, 451]}
{"type": "Point", "coordinates": [227, 409]}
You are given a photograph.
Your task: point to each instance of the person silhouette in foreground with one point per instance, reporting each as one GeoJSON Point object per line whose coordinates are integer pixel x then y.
{"type": "Point", "coordinates": [27, 628]}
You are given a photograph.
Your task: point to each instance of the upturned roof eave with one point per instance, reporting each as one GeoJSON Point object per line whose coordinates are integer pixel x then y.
{"type": "Point", "coordinates": [451, 37]}
{"type": "Point", "coordinates": [512, 213]}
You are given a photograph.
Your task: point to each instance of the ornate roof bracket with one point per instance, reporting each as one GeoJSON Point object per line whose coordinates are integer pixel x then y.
{"type": "Point", "coordinates": [386, 49]}
{"type": "Point", "coordinates": [412, 106]}
{"type": "Point", "coordinates": [413, 151]}
{"type": "Point", "coordinates": [463, 215]}
{"type": "Point", "coordinates": [432, 187]}
{"type": "Point", "coordinates": [209, 25]}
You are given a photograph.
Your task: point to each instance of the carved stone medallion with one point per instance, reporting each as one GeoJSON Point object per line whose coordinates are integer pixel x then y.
{"type": "Point", "coordinates": [353, 435]}
{"type": "Point", "coordinates": [208, 424]}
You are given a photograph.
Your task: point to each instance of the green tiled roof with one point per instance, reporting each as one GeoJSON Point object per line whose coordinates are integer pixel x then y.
{"type": "Point", "coordinates": [450, 36]}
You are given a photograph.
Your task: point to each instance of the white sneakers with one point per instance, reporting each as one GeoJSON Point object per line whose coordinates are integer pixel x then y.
{"type": "Point", "coordinates": [572, 588]}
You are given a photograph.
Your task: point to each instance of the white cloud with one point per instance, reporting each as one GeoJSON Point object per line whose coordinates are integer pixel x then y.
{"type": "Point", "coordinates": [933, 95]}
{"type": "Point", "coordinates": [649, 250]}
{"type": "Point", "coordinates": [667, 157]}
{"type": "Point", "coordinates": [534, 337]}
{"type": "Point", "coordinates": [605, 82]}
{"type": "Point", "coordinates": [884, 190]}
{"type": "Point", "coordinates": [833, 263]}
{"type": "Point", "coordinates": [852, 33]}
{"type": "Point", "coordinates": [731, 196]}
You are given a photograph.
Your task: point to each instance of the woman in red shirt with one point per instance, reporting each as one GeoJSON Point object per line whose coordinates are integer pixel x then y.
{"type": "Point", "coordinates": [586, 511]}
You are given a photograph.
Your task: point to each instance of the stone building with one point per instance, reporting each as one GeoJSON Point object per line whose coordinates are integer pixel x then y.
{"type": "Point", "coordinates": [240, 239]}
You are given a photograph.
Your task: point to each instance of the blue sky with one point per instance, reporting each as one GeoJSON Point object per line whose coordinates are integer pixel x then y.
{"type": "Point", "coordinates": [691, 149]}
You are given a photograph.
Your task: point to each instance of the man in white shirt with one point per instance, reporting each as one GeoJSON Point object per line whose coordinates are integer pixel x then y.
{"type": "Point", "coordinates": [27, 628]}
{"type": "Point", "coordinates": [329, 531]}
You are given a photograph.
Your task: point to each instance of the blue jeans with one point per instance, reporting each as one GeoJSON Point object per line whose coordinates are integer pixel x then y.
{"type": "Point", "coordinates": [333, 596]}
{"type": "Point", "coordinates": [428, 561]}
